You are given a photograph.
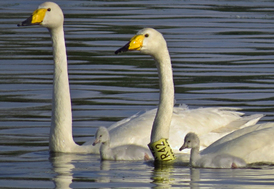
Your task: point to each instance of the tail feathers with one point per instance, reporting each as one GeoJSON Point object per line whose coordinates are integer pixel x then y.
{"type": "Point", "coordinates": [240, 123]}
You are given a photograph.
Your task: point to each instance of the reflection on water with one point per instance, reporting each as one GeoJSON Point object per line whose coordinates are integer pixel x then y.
{"type": "Point", "coordinates": [222, 54]}
{"type": "Point", "coordinates": [62, 166]}
{"type": "Point", "coordinates": [194, 178]}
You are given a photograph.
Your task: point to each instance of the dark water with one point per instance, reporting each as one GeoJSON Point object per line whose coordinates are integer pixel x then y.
{"type": "Point", "coordinates": [222, 54]}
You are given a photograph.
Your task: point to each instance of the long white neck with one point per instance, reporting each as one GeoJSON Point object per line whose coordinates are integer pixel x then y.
{"type": "Point", "coordinates": [163, 117]}
{"type": "Point", "coordinates": [61, 122]}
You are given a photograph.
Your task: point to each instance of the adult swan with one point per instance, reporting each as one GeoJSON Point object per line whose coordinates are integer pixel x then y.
{"type": "Point", "coordinates": [253, 144]}
{"type": "Point", "coordinates": [133, 130]}
{"type": "Point", "coordinates": [151, 42]}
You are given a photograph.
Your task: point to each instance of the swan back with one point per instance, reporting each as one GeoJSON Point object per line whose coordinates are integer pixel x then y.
{"type": "Point", "coordinates": [124, 152]}
{"type": "Point", "coordinates": [252, 143]}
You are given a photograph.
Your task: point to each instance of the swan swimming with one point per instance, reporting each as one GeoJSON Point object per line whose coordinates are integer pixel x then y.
{"type": "Point", "coordinates": [216, 122]}
{"type": "Point", "coordinates": [254, 144]}
{"type": "Point", "coordinates": [124, 152]}
{"type": "Point", "coordinates": [150, 41]}
{"type": "Point", "coordinates": [209, 161]}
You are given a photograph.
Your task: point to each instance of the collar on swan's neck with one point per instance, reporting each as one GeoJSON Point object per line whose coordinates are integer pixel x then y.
{"type": "Point", "coordinates": [162, 121]}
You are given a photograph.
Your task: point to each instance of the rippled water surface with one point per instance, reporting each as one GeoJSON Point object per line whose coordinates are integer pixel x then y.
{"type": "Point", "coordinates": [222, 54]}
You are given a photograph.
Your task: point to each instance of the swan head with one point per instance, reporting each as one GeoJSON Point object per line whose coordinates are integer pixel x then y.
{"type": "Point", "coordinates": [101, 136]}
{"type": "Point", "coordinates": [148, 41]}
{"type": "Point", "coordinates": [47, 14]}
{"type": "Point", "coordinates": [191, 141]}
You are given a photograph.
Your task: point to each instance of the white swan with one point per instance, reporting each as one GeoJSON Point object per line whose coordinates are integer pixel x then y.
{"type": "Point", "coordinates": [133, 130]}
{"type": "Point", "coordinates": [124, 152]}
{"type": "Point", "coordinates": [253, 144]}
{"type": "Point", "coordinates": [209, 161]}
{"type": "Point", "coordinates": [150, 41]}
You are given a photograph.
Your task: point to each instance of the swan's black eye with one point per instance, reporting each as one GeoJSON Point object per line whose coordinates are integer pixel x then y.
{"type": "Point", "coordinates": [49, 9]}
{"type": "Point", "coordinates": [146, 35]}
{"type": "Point", "coordinates": [188, 141]}
{"type": "Point", "coordinates": [100, 135]}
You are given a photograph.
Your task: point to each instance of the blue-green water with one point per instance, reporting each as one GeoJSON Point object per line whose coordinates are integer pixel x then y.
{"type": "Point", "coordinates": [222, 54]}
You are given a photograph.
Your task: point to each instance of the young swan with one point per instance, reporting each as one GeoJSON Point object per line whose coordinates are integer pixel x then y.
{"type": "Point", "coordinates": [209, 161]}
{"type": "Point", "coordinates": [124, 152]}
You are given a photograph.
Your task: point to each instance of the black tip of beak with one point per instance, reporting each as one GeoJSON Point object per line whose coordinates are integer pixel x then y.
{"type": "Point", "coordinates": [180, 149]}
{"type": "Point", "coordinates": [122, 49]}
{"type": "Point", "coordinates": [27, 22]}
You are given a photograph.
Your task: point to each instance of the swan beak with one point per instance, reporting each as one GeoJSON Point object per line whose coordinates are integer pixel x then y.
{"type": "Point", "coordinates": [35, 19]}
{"type": "Point", "coordinates": [183, 147]}
{"type": "Point", "coordinates": [96, 142]}
{"type": "Point", "coordinates": [135, 43]}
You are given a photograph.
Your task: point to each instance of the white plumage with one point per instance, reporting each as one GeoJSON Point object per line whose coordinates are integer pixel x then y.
{"type": "Point", "coordinates": [253, 144]}
{"type": "Point", "coordinates": [220, 160]}
{"type": "Point", "coordinates": [173, 123]}
{"type": "Point", "coordinates": [123, 152]}
{"type": "Point", "coordinates": [133, 130]}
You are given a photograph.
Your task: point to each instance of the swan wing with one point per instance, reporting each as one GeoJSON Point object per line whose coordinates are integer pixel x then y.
{"type": "Point", "coordinates": [131, 152]}
{"type": "Point", "coordinates": [253, 144]}
{"type": "Point", "coordinates": [203, 121]}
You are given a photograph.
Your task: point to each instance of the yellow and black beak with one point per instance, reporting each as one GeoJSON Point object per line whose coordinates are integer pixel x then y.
{"type": "Point", "coordinates": [35, 19]}
{"type": "Point", "coordinates": [135, 43]}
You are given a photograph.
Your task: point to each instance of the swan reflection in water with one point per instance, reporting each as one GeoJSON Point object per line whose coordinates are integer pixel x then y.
{"type": "Point", "coordinates": [75, 170]}
{"type": "Point", "coordinates": [178, 174]}
{"type": "Point", "coordinates": [161, 175]}
{"type": "Point", "coordinates": [81, 169]}
{"type": "Point", "coordinates": [63, 167]}
{"type": "Point", "coordinates": [91, 172]}
{"type": "Point", "coordinates": [66, 166]}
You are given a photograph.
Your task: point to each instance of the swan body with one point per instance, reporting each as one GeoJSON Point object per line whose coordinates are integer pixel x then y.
{"type": "Point", "coordinates": [151, 42]}
{"type": "Point", "coordinates": [209, 123]}
{"type": "Point", "coordinates": [133, 130]}
{"type": "Point", "coordinates": [209, 161]}
{"type": "Point", "coordinates": [253, 144]}
{"type": "Point", "coordinates": [124, 152]}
